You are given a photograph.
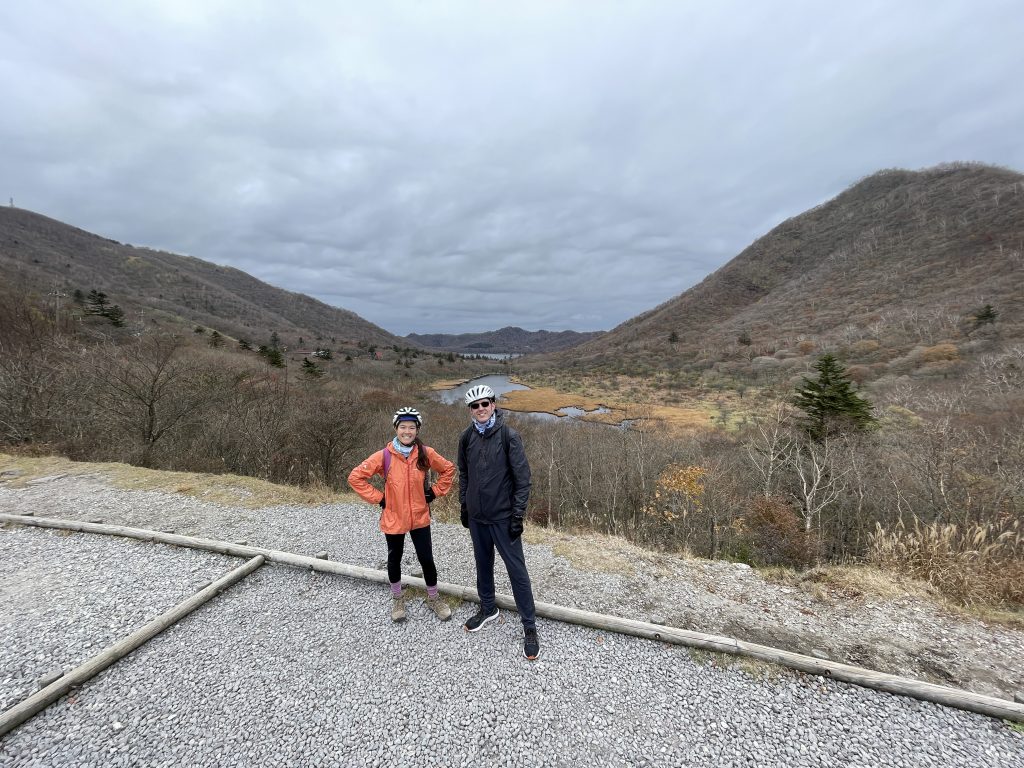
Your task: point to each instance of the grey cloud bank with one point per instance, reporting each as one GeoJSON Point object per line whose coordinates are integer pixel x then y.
{"type": "Point", "coordinates": [455, 167]}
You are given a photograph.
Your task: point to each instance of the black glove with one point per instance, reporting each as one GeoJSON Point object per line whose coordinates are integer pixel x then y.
{"type": "Point", "coordinates": [430, 495]}
{"type": "Point", "coordinates": [515, 528]}
{"type": "Point", "coordinates": [464, 516]}
{"type": "Point", "coordinates": [381, 502]}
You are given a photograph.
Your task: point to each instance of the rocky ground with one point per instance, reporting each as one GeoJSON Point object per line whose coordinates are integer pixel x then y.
{"type": "Point", "coordinates": [593, 692]}
{"type": "Point", "coordinates": [902, 632]}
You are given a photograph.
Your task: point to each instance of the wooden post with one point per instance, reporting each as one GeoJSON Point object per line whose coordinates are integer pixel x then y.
{"type": "Point", "coordinates": [939, 694]}
{"type": "Point", "coordinates": [38, 701]}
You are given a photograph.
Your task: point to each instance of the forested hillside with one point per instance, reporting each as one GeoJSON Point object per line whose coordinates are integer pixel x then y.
{"type": "Point", "coordinates": [891, 275]}
{"type": "Point", "coordinates": [152, 287]}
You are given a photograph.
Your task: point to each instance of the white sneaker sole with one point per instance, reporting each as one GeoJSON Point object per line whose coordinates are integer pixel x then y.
{"type": "Point", "coordinates": [485, 622]}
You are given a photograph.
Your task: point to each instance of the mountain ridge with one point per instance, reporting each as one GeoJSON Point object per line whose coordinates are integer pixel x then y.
{"type": "Point", "coordinates": [889, 249]}
{"type": "Point", "coordinates": [48, 256]}
{"type": "Point", "coordinates": [508, 340]}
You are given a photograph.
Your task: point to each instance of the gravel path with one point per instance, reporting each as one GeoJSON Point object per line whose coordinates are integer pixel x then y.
{"type": "Point", "coordinates": [297, 668]}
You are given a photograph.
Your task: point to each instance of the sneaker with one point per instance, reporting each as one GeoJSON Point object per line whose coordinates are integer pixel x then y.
{"type": "Point", "coordinates": [531, 645]}
{"type": "Point", "coordinates": [398, 608]}
{"type": "Point", "coordinates": [478, 619]}
{"type": "Point", "coordinates": [440, 608]}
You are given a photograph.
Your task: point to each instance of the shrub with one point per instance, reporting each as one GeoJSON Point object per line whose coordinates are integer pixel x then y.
{"type": "Point", "coordinates": [771, 534]}
{"type": "Point", "coordinates": [944, 351]}
{"type": "Point", "coordinates": [864, 347]}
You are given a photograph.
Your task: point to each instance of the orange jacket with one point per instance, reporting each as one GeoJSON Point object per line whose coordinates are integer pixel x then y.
{"type": "Point", "coordinates": [405, 505]}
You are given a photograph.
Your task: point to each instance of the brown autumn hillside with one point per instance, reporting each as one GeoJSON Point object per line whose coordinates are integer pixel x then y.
{"type": "Point", "coordinates": [896, 266]}
{"type": "Point", "coordinates": [43, 255]}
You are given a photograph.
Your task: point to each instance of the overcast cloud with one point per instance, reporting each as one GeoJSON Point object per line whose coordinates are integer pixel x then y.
{"type": "Point", "coordinates": [462, 166]}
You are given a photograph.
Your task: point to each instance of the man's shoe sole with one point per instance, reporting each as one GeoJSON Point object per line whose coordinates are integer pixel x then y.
{"type": "Point", "coordinates": [483, 623]}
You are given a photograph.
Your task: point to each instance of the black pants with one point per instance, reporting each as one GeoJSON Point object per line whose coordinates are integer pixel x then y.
{"type": "Point", "coordinates": [487, 538]}
{"type": "Point", "coordinates": [424, 553]}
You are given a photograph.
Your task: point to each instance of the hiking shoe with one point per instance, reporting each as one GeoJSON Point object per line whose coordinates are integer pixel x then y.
{"type": "Point", "coordinates": [531, 645]}
{"type": "Point", "coordinates": [398, 608]}
{"type": "Point", "coordinates": [477, 620]}
{"type": "Point", "coordinates": [440, 608]}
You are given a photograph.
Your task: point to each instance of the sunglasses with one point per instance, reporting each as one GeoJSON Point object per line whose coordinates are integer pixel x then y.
{"type": "Point", "coordinates": [480, 404]}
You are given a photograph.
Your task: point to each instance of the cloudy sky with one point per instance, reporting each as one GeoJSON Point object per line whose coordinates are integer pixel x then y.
{"type": "Point", "coordinates": [462, 166]}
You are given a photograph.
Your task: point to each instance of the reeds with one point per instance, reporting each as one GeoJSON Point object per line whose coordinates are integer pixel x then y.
{"type": "Point", "coordinates": [980, 564]}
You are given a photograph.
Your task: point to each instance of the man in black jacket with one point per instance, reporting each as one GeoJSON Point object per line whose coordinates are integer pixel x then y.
{"type": "Point", "coordinates": [494, 487]}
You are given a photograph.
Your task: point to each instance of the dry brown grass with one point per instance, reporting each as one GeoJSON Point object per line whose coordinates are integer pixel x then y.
{"type": "Point", "coordinates": [862, 580]}
{"type": "Point", "coordinates": [639, 402]}
{"type": "Point", "coordinates": [590, 551]}
{"type": "Point", "coordinates": [443, 384]}
{"type": "Point", "coordinates": [978, 565]}
{"type": "Point", "coordinates": [232, 490]}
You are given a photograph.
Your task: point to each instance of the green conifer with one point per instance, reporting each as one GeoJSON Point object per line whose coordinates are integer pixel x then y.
{"type": "Point", "coordinates": [830, 403]}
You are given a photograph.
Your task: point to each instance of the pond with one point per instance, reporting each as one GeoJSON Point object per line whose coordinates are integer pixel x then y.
{"type": "Point", "coordinates": [501, 385]}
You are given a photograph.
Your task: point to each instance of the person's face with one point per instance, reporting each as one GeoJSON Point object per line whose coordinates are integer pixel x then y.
{"type": "Point", "coordinates": [406, 432]}
{"type": "Point", "coordinates": [481, 410]}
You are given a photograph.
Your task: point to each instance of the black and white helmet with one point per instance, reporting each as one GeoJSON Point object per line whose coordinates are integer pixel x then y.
{"type": "Point", "coordinates": [407, 414]}
{"type": "Point", "coordinates": [479, 392]}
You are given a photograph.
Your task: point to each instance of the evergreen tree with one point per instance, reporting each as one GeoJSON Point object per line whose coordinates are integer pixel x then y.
{"type": "Point", "coordinates": [216, 340]}
{"type": "Point", "coordinates": [275, 340]}
{"type": "Point", "coordinates": [310, 369]}
{"type": "Point", "coordinates": [673, 337]}
{"type": "Point", "coordinates": [830, 404]}
{"type": "Point", "coordinates": [115, 315]}
{"type": "Point", "coordinates": [986, 316]}
{"type": "Point", "coordinates": [97, 303]}
{"type": "Point", "coordinates": [244, 344]}
{"type": "Point", "coordinates": [275, 358]}
{"type": "Point", "coordinates": [78, 297]}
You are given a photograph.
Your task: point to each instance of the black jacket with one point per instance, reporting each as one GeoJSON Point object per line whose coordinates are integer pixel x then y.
{"type": "Point", "coordinates": [494, 475]}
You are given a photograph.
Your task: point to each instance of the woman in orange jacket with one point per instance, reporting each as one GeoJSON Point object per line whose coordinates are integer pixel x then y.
{"type": "Point", "coordinates": [404, 504]}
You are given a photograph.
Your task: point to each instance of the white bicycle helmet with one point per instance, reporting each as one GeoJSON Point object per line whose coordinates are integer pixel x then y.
{"type": "Point", "coordinates": [479, 392]}
{"type": "Point", "coordinates": [407, 414]}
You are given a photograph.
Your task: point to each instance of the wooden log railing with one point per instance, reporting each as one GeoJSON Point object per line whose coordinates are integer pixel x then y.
{"type": "Point", "coordinates": [22, 711]}
{"type": "Point", "coordinates": [924, 691]}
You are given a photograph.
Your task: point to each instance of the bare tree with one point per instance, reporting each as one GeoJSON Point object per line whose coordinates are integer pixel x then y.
{"type": "Point", "coordinates": [149, 389]}
{"type": "Point", "coordinates": [328, 435]}
{"type": "Point", "coordinates": [819, 481]}
{"type": "Point", "coordinates": [770, 448]}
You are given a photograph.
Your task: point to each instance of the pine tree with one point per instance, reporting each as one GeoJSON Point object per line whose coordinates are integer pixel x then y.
{"type": "Point", "coordinates": [986, 316]}
{"type": "Point", "coordinates": [244, 344]}
{"type": "Point", "coordinates": [310, 369]}
{"type": "Point", "coordinates": [97, 301]}
{"type": "Point", "coordinates": [275, 358]}
{"type": "Point", "coordinates": [830, 403]}
{"type": "Point", "coordinates": [115, 315]}
{"type": "Point", "coordinates": [215, 340]}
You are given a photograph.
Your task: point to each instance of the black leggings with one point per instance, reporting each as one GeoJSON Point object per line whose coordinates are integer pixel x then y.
{"type": "Point", "coordinates": [424, 552]}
